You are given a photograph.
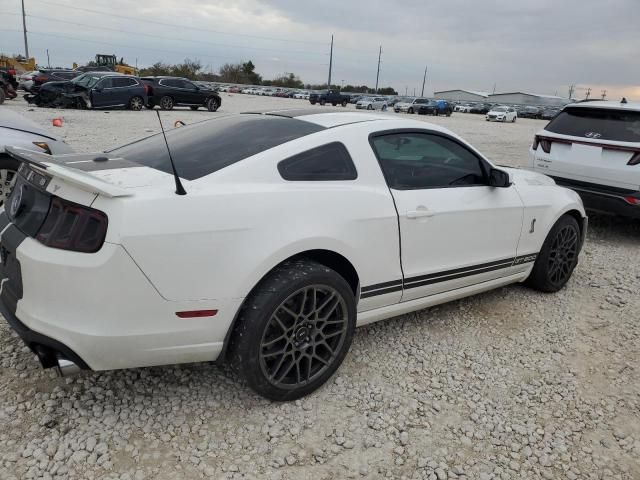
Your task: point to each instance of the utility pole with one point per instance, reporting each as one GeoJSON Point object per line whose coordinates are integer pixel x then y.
{"type": "Point", "coordinates": [588, 93]}
{"type": "Point", "coordinates": [424, 80]}
{"type": "Point", "coordinates": [48, 59]}
{"type": "Point", "coordinates": [406, 90]}
{"type": "Point", "coordinates": [24, 29]}
{"type": "Point", "coordinates": [604, 94]}
{"type": "Point", "coordinates": [572, 89]}
{"type": "Point", "coordinates": [378, 74]}
{"type": "Point", "coordinates": [494, 89]}
{"type": "Point", "coordinates": [330, 63]}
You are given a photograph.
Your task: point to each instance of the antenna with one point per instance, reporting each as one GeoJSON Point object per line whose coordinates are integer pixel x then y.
{"type": "Point", "coordinates": [179, 188]}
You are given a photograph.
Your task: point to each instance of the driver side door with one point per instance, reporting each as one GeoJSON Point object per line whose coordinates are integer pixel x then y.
{"type": "Point", "coordinates": [455, 229]}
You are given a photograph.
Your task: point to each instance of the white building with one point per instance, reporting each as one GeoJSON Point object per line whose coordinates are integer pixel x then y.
{"type": "Point", "coordinates": [522, 98]}
{"type": "Point", "coordinates": [461, 95]}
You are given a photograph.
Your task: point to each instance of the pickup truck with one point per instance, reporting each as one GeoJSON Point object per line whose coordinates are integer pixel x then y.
{"type": "Point", "coordinates": [334, 97]}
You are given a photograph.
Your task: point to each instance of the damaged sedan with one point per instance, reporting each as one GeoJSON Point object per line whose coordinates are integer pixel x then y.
{"type": "Point", "coordinates": [93, 90]}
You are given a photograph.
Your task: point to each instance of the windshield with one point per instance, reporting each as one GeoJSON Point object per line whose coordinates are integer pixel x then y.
{"type": "Point", "coordinates": [499, 109]}
{"type": "Point", "coordinates": [86, 80]}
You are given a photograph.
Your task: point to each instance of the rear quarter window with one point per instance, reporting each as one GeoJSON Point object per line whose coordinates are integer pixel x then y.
{"type": "Point", "coordinates": [597, 123]}
{"type": "Point", "coordinates": [324, 163]}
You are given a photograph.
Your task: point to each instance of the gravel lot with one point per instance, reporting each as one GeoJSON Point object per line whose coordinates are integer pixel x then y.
{"type": "Point", "coordinates": [511, 384]}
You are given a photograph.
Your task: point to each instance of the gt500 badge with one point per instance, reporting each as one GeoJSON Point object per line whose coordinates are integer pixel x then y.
{"type": "Point", "coordinates": [525, 259]}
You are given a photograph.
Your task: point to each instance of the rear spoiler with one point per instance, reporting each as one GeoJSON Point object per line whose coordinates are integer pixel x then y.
{"type": "Point", "coordinates": [54, 166]}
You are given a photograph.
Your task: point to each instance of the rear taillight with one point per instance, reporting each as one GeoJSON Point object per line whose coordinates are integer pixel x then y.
{"type": "Point", "coordinates": [545, 143]}
{"type": "Point", "coordinates": [40, 79]}
{"type": "Point", "coordinates": [632, 200]}
{"type": "Point", "coordinates": [635, 160]}
{"type": "Point", "coordinates": [70, 226]}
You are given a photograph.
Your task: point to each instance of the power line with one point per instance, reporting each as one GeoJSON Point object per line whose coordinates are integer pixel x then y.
{"type": "Point", "coordinates": [136, 47]}
{"type": "Point", "coordinates": [165, 24]}
{"type": "Point", "coordinates": [164, 37]}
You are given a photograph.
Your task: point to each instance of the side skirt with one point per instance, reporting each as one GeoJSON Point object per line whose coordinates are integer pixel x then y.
{"type": "Point", "coordinates": [389, 311]}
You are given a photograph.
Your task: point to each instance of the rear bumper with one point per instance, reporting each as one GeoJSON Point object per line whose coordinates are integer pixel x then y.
{"type": "Point", "coordinates": [603, 199]}
{"type": "Point", "coordinates": [48, 350]}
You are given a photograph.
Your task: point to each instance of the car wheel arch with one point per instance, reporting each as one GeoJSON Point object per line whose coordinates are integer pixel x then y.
{"type": "Point", "coordinates": [329, 258]}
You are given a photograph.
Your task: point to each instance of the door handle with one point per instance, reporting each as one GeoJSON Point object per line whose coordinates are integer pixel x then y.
{"type": "Point", "coordinates": [420, 212]}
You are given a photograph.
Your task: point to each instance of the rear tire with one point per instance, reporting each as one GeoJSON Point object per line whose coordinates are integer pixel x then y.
{"type": "Point", "coordinates": [2, 96]}
{"type": "Point", "coordinates": [294, 330]}
{"type": "Point", "coordinates": [136, 103]}
{"type": "Point", "coordinates": [514, 120]}
{"type": "Point", "coordinates": [558, 256]}
{"type": "Point", "coordinates": [166, 103]}
{"type": "Point", "coordinates": [344, 103]}
{"type": "Point", "coordinates": [322, 102]}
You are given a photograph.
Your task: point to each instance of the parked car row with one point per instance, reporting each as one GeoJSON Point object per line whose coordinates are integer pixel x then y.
{"type": "Point", "coordinates": [115, 90]}
{"type": "Point", "coordinates": [523, 111]}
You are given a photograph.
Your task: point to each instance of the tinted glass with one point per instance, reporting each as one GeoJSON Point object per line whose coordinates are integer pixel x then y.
{"type": "Point", "coordinates": [169, 82]}
{"type": "Point", "coordinates": [206, 147]}
{"type": "Point", "coordinates": [416, 161]}
{"type": "Point", "coordinates": [106, 83]}
{"type": "Point", "coordinates": [602, 124]}
{"type": "Point", "coordinates": [123, 82]}
{"type": "Point", "coordinates": [328, 162]}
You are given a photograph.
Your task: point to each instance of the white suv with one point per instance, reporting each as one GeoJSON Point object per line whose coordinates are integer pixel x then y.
{"type": "Point", "coordinates": [594, 149]}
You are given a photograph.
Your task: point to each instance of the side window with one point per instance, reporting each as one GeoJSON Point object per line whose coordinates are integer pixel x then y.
{"type": "Point", "coordinates": [124, 82]}
{"type": "Point", "coordinates": [187, 85]}
{"type": "Point", "coordinates": [421, 160]}
{"type": "Point", "coordinates": [105, 83]}
{"type": "Point", "coordinates": [328, 162]}
{"type": "Point", "coordinates": [168, 82]}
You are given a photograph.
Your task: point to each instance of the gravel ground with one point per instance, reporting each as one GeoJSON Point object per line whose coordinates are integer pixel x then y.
{"type": "Point", "coordinates": [511, 384]}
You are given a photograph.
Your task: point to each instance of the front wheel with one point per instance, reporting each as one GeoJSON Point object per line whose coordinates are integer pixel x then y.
{"type": "Point", "coordinates": [212, 104]}
{"type": "Point", "coordinates": [194, 107]}
{"type": "Point", "coordinates": [514, 120]}
{"type": "Point", "coordinates": [558, 257]}
{"type": "Point", "coordinates": [384, 108]}
{"type": "Point", "coordinates": [344, 103]}
{"type": "Point", "coordinates": [294, 330]}
{"type": "Point", "coordinates": [136, 103]}
{"type": "Point", "coordinates": [322, 102]}
{"type": "Point", "coordinates": [410, 110]}
{"type": "Point", "coordinates": [369, 107]}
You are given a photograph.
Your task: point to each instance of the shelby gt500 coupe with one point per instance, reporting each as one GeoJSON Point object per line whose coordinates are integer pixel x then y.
{"type": "Point", "coordinates": [263, 239]}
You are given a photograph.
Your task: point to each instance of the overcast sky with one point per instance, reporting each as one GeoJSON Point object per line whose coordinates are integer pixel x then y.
{"type": "Point", "coordinates": [539, 46]}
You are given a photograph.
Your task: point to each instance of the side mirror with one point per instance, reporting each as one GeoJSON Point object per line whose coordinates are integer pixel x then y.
{"type": "Point", "coordinates": [97, 89]}
{"type": "Point", "coordinates": [499, 178]}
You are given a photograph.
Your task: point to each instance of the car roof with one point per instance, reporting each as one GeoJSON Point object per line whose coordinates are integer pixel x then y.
{"type": "Point", "coordinates": [633, 106]}
{"type": "Point", "coordinates": [329, 118]}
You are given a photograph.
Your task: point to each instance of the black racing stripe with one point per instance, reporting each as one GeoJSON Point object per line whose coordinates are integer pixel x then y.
{"type": "Point", "coordinates": [383, 291]}
{"type": "Point", "coordinates": [422, 280]}
{"type": "Point", "coordinates": [378, 286]}
{"type": "Point", "coordinates": [457, 270]}
{"type": "Point", "coordinates": [10, 271]}
{"type": "Point", "coordinates": [458, 275]}
{"type": "Point", "coordinates": [4, 220]}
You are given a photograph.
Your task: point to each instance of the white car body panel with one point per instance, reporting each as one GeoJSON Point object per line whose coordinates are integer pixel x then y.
{"type": "Point", "coordinates": [244, 220]}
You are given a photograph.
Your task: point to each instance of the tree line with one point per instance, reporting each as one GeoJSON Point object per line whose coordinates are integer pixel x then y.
{"type": "Point", "coordinates": [245, 73]}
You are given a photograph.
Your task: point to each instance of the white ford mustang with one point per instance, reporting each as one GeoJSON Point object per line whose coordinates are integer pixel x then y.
{"type": "Point", "coordinates": [296, 226]}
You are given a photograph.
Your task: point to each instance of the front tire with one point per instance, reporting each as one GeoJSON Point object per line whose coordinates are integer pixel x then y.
{"type": "Point", "coordinates": [558, 256]}
{"type": "Point", "coordinates": [410, 110]}
{"type": "Point", "coordinates": [194, 107]}
{"type": "Point", "coordinates": [322, 102]}
{"type": "Point", "coordinates": [212, 104]}
{"type": "Point", "coordinates": [294, 330]}
{"type": "Point", "coordinates": [344, 103]}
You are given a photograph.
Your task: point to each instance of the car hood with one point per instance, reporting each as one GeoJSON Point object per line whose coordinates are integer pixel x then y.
{"type": "Point", "coordinates": [493, 112]}
{"type": "Point", "coordinates": [527, 177]}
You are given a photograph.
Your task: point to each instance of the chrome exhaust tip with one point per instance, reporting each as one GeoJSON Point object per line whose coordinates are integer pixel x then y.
{"type": "Point", "coordinates": [66, 368]}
